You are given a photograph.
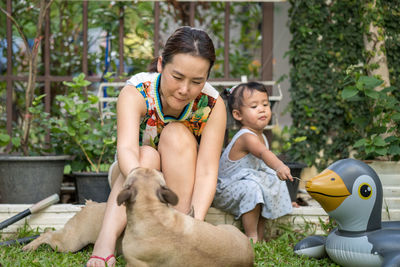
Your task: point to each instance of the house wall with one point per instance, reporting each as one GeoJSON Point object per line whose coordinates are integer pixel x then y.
{"type": "Point", "coordinates": [282, 38]}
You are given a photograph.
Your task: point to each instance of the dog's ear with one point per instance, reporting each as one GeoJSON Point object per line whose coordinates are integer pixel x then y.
{"type": "Point", "coordinates": [166, 195]}
{"type": "Point", "coordinates": [126, 195]}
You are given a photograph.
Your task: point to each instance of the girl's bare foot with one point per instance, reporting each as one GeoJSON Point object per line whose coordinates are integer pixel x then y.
{"type": "Point", "coordinates": [295, 205]}
{"type": "Point", "coordinates": [253, 239]}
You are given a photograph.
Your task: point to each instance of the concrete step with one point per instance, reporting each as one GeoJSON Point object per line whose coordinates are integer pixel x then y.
{"type": "Point", "coordinates": [391, 215]}
{"type": "Point", "coordinates": [390, 179]}
{"type": "Point", "coordinates": [385, 167]}
{"type": "Point", "coordinates": [57, 215]}
{"type": "Point", "coordinates": [388, 172]}
{"type": "Point", "coordinates": [391, 191]}
{"type": "Point", "coordinates": [54, 217]}
{"type": "Point", "coordinates": [391, 202]}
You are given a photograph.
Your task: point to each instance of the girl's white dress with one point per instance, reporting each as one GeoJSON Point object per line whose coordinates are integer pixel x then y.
{"type": "Point", "coordinates": [244, 183]}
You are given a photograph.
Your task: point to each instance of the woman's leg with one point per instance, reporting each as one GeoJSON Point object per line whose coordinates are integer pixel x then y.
{"type": "Point", "coordinates": [149, 158]}
{"type": "Point", "coordinates": [250, 222]}
{"type": "Point", "coordinates": [178, 151]}
{"type": "Point", "coordinates": [114, 220]}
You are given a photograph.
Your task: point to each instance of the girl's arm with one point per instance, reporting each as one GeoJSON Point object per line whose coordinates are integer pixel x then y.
{"type": "Point", "coordinates": [131, 106]}
{"type": "Point", "coordinates": [208, 160]}
{"type": "Point", "coordinates": [251, 143]}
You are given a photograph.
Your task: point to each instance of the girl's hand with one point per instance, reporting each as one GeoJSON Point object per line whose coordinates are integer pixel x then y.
{"type": "Point", "coordinates": [283, 173]}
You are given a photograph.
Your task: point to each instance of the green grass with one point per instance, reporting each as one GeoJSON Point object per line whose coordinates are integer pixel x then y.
{"type": "Point", "coordinates": [14, 256]}
{"type": "Point", "coordinates": [279, 252]}
{"type": "Point", "coordinates": [276, 252]}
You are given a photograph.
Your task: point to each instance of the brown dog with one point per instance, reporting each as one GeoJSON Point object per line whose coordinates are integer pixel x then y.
{"type": "Point", "coordinates": [156, 234]}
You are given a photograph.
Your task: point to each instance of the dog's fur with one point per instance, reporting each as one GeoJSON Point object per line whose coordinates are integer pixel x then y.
{"type": "Point", "coordinates": [156, 234]}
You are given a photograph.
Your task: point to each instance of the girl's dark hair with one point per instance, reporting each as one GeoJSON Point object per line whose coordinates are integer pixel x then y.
{"type": "Point", "coordinates": [186, 40]}
{"type": "Point", "coordinates": [235, 98]}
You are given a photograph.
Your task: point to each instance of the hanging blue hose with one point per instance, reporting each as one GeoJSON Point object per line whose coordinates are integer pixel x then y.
{"type": "Point", "coordinates": [106, 64]}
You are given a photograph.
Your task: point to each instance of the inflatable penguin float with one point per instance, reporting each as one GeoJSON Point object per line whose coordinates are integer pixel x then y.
{"type": "Point", "coordinates": [351, 193]}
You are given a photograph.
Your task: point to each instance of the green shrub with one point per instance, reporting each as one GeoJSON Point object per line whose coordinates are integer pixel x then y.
{"type": "Point", "coordinates": [327, 38]}
{"type": "Point", "coordinates": [375, 116]}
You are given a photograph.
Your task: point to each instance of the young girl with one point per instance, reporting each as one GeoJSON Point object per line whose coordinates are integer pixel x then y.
{"type": "Point", "coordinates": [250, 177]}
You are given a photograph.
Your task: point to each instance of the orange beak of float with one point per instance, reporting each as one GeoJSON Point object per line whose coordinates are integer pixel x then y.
{"type": "Point", "coordinates": [328, 189]}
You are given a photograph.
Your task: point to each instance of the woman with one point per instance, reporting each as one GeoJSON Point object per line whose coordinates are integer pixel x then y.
{"type": "Point", "coordinates": [169, 119]}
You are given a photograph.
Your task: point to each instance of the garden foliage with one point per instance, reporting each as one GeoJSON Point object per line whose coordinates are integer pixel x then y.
{"type": "Point", "coordinates": [377, 120]}
{"type": "Point", "coordinates": [244, 36]}
{"type": "Point", "coordinates": [328, 39]}
{"type": "Point", "coordinates": [66, 60]}
{"type": "Point", "coordinates": [66, 44]}
{"type": "Point", "coordinates": [85, 127]}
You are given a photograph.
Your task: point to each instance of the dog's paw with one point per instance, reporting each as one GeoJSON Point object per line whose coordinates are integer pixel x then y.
{"type": "Point", "coordinates": [42, 239]}
{"type": "Point", "coordinates": [31, 246]}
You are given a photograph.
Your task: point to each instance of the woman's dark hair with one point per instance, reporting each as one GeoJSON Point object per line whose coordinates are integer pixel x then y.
{"type": "Point", "coordinates": [235, 97]}
{"type": "Point", "coordinates": [187, 40]}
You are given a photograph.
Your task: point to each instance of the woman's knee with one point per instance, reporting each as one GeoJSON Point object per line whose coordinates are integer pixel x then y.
{"type": "Point", "coordinates": [149, 157]}
{"type": "Point", "coordinates": [177, 137]}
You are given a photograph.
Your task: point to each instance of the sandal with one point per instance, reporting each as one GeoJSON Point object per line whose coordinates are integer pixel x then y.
{"type": "Point", "coordinates": [103, 259]}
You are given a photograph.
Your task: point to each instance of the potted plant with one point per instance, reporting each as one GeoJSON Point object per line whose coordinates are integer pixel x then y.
{"type": "Point", "coordinates": [30, 167]}
{"type": "Point", "coordinates": [84, 131]}
{"type": "Point", "coordinates": [374, 113]}
{"type": "Point", "coordinates": [34, 170]}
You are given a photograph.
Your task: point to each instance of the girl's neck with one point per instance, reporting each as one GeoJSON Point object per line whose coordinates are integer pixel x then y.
{"type": "Point", "coordinates": [259, 133]}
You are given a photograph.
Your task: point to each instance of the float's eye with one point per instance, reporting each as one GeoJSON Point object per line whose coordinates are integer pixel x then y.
{"type": "Point", "coordinates": [365, 191]}
{"type": "Point", "coordinates": [333, 179]}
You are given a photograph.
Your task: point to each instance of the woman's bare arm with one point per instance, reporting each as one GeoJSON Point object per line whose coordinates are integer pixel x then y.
{"type": "Point", "coordinates": [208, 160]}
{"type": "Point", "coordinates": [131, 106]}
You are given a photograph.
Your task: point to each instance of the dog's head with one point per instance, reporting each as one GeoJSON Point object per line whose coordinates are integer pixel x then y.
{"type": "Point", "coordinates": [149, 184]}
